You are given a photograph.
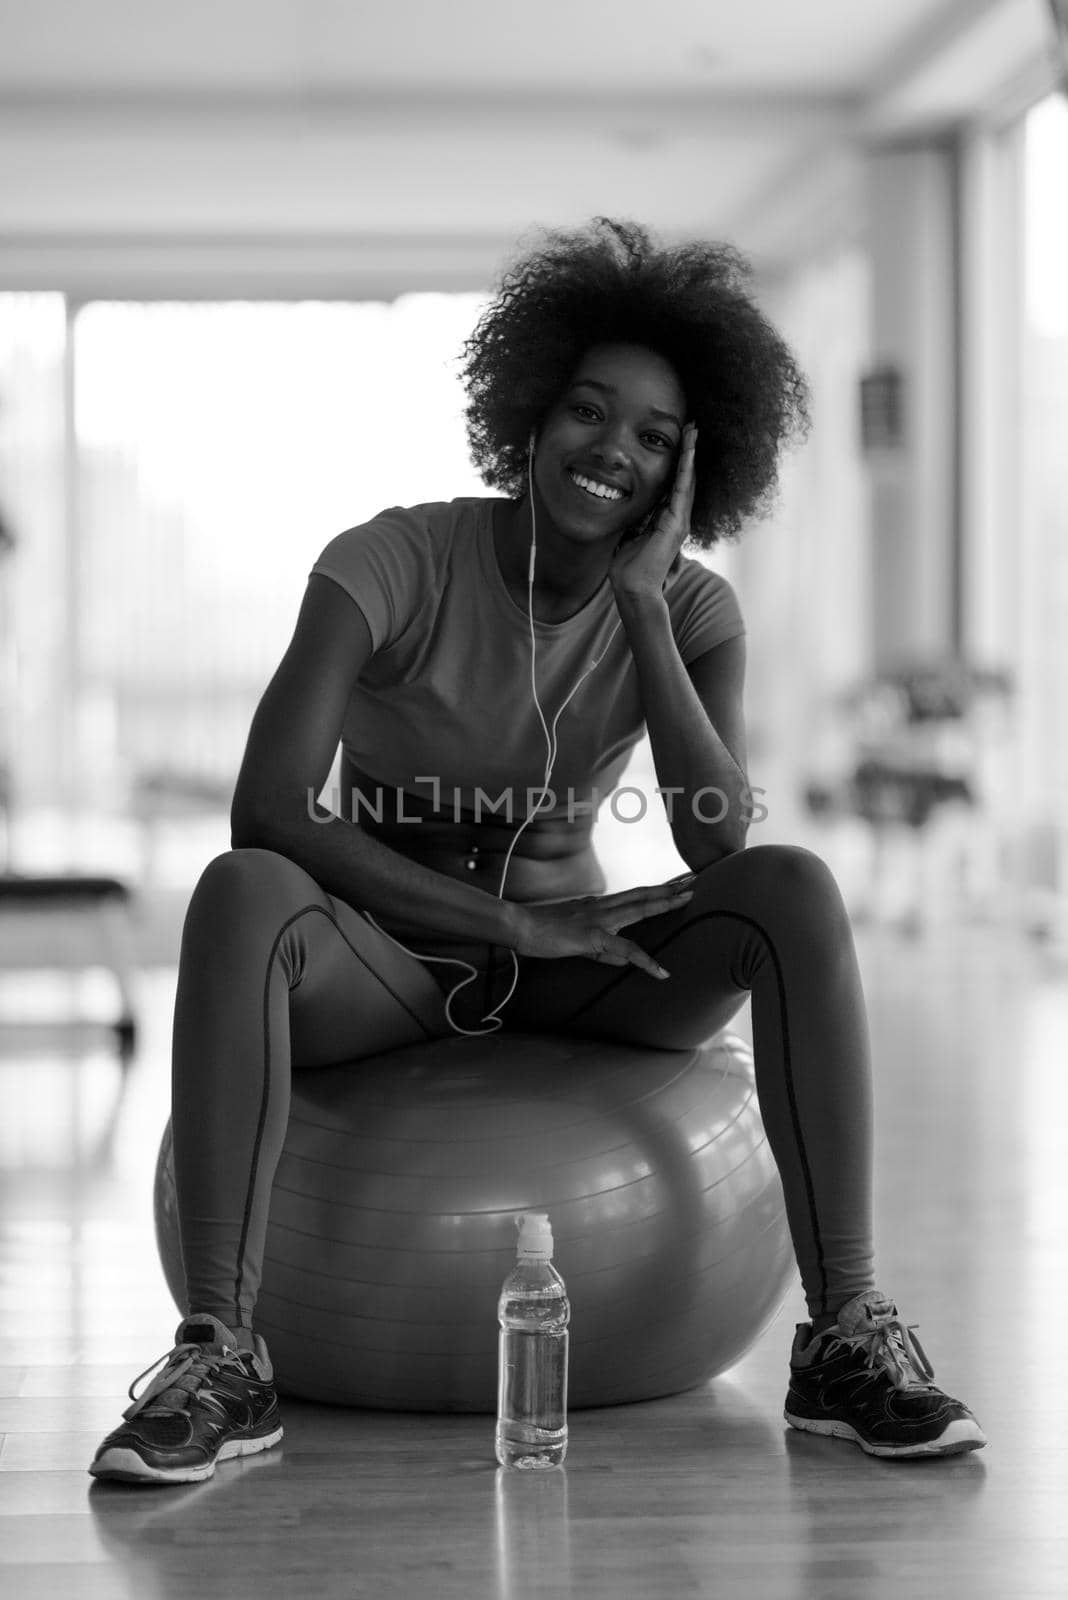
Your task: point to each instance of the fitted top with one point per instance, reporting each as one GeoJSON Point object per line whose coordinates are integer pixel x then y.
{"type": "Point", "coordinates": [443, 709]}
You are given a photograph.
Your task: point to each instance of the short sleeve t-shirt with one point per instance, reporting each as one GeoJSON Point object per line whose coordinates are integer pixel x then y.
{"type": "Point", "coordinates": [444, 708]}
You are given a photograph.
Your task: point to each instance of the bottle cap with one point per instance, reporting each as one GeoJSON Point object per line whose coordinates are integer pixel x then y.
{"type": "Point", "coordinates": [535, 1235]}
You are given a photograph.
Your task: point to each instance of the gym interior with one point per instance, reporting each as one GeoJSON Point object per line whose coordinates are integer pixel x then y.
{"type": "Point", "coordinates": [242, 245]}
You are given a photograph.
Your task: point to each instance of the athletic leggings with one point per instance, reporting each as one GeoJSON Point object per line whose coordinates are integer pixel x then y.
{"type": "Point", "coordinates": [277, 975]}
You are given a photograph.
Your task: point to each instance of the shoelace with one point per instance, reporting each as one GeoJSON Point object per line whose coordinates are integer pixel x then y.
{"type": "Point", "coordinates": [890, 1345]}
{"type": "Point", "coordinates": [187, 1367]}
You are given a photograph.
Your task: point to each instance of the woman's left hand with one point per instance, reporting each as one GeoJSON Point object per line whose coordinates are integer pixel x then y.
{"type": "Point", "coordinates": [643, 562]}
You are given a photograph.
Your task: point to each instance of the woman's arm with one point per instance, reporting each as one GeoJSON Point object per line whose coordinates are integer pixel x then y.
{"type": "Point", "coordinates": [291, 746]}
{"type": "Point", "coordinates": [694, 717]}
{"type": "Point", "coordinates": [290, 751]}
{"type": "Point", "coordinates": [696, 729]}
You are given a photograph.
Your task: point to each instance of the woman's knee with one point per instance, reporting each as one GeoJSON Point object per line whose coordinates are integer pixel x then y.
{"type": "Point", "coordinates": [783, 874]}
{"type": "Point", "coordinates": [250, 876]}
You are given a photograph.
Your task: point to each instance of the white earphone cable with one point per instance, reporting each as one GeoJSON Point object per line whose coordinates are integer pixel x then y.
{"type": "Point", "coordinates": [551, 752]}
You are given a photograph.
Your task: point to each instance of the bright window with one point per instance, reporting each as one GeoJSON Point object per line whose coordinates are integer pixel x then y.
{"type": "Point", "coordinates": [220, 446]}
{"type": "Point", "coordinates": [1042, 535]}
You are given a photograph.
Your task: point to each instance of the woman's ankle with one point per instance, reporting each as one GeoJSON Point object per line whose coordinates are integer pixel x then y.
{"type": "Point", "coordinates": [244, 1339]}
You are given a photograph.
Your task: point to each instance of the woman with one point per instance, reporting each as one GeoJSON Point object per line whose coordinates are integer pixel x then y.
{"type": "Point", "coordinates": [625, 398]}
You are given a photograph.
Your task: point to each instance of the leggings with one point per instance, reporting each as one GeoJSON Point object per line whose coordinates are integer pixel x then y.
{"type": "Point", "coordinates": [275, 975]}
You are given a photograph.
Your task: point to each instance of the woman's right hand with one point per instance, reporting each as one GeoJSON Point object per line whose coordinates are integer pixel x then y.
{"type": "Point", "coordinates": [588, 926]}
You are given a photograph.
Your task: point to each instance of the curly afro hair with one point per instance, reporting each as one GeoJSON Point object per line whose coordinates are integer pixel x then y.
{"type": "Point", "coordinates": [608, 283]}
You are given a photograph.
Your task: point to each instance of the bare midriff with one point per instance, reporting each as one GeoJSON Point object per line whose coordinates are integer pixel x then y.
{"type": "Point", "coordinates": [553, 859]}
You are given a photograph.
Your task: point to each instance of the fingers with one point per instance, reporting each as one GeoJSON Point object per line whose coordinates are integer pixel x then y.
{"type": "Point", "coordinates": [644, 891]}
{"type": "Point", "coordinates": [622, 953]}
{"type": "Point", "coordinates": [649, 903]}
{"type": "Point", "coordinates": [684, 472]}
{"type": "Point", "coordinates": [686, 482]}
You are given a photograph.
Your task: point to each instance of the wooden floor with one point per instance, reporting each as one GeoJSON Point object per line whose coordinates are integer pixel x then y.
{"type": "Point", "coordinates": [706, 1494]}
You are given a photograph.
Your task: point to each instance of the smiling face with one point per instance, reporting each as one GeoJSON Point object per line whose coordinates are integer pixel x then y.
{"type": "Point", "coordinates": [617, 427]}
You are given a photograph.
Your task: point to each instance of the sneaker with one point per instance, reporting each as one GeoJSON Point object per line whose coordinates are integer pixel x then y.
{"type": "Point", "coordinates": [868, 1380]}
{"type": "Point", "coordinates": [210, 1402]}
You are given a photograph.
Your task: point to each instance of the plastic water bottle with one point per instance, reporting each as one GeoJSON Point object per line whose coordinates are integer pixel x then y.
{"type": "Point", "coordinates": [534, 1313]}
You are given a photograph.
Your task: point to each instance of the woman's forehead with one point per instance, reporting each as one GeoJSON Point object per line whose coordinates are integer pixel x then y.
{"type": "Point", "coordinates": [633, 371]}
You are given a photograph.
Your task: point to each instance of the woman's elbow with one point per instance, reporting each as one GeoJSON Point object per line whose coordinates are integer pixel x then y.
{"type": "Point", "coordinates": [257, 821]}
{"type": "Point", "coordinates": [701, 847]}
{"type": "Point", "coordinates": [247, 831]}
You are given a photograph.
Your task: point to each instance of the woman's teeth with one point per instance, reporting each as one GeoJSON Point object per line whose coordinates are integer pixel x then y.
{"type": "Point", "coordinates": [601, 490]}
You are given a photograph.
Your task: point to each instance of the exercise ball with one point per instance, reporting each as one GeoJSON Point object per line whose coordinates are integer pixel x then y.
{"type": "Point", "coordinates": [392, 1218]}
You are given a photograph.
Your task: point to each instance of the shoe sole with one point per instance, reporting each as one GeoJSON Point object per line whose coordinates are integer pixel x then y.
{"type": "Point", "coordinates": [953, 1441]}
{"type": "Point", "coordinates": [126, 1466]}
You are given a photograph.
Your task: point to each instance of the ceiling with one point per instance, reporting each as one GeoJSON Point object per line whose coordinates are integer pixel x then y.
{"type": "Point", "coordinates": [273, 145]}
{"type": "Point", "coordinates": [824, 48]}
